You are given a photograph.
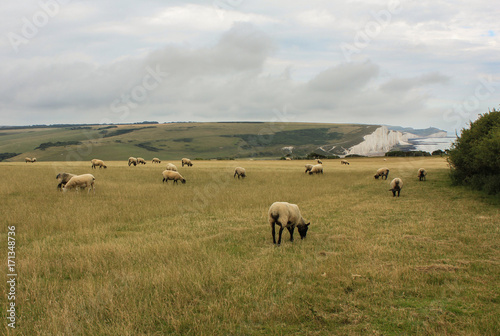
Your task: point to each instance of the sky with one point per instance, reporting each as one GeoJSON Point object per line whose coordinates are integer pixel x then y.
{"type": "Point", "coordinates": [407, 63]}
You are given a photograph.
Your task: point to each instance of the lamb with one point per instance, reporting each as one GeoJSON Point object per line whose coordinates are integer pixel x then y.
{"type": "Point", "coordinates": [186, 162]}
{"type": "Point", "coordinates": [422, 173]}
{"type": "Point", "coordinates": [172, 175]}
{"type": "Point", "coordinates": [132, 160]}
{"type": "Point", "coordinates": [287, 215]}
{"type": "Point", "coordinates": [396, 186]}
{"type": "Point", "coordinates": [63, 179]}
{"type": "Point", "coordinates": [319, 161]}
{"type": "Point", "coordinates": [308, 167]}
{"type": "Point", "coordinates": [344, 162]}
{"type": "Point", "coordinates": [156, 160]}
{"type": "Point", "coordinates": [80, 181]}
{"type": "Point", "coordinates": [240, 172]}
{"type": "Point", "coordinates": [171, 166]}
{"type": "Point", "coordinates": [382, 172]}
{"type": "Point", "coordinates": [316, 169]}
{"type": "Point", "coordinates": [98, 163]}
{"type": "Point", "coordinates": [141, 160]}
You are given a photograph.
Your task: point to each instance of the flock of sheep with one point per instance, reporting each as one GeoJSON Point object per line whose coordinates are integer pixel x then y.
{"type": "Point", "coordinates": [283, 214]}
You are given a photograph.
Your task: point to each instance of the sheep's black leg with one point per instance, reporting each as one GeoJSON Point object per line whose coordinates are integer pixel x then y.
{"type": "Point", "coordinates": [274, 232]}
{"type": "Point", "coordinates": [290, 229]}
{"type": "Point", "coordinates": [280, 232]}
{"type": "Point", "coordinates": [394, 193]}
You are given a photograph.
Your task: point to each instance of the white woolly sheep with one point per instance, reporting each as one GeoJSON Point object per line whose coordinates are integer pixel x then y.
{"type": "Point", "coordinates": [156, 160]}
{"type": "Point", "coordinates": [288, 159]}
{"type": "Point", "coordinates": [27, 159]}
{"type": "Point", "coordinates": [80, 181]}
{"type": "Point", "coordinates": [98, 163]}
{"type": "Point", "coordinates": [132, 161]}
{"type": "Point", "coordinates": [33, 160]}
{"type": "Point", "coordinates": [319, 161]}
{"type": "Point", "coordinates": [187, 162]}
{"type": "Point", "coordinates": [344, 162]}
{"type": "Point", "coordinates": [240, 172]}
{"type": "Point", "coordinates": [171, 166]}
{"type": "Point", "coordinates": [172, 175]}
{"type": "Point", "coordinates": [422, 173]}
{"type": "Point", "coordinates": [63, 178]}
{"type": "Point", "coordinates": [384, 172]}
{"type": "Point", "coordinates": [286, 215]}
{"type": "Point", "coordinates": [396, 186]}
{"type": "Point", "coordinates": [141, 160]}
{"type": "Point", "coordinates": [316, 169]}
{"type": "Point", "coordinates": [308, 167]}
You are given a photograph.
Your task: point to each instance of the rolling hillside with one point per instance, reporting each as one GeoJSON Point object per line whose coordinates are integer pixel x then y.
{"type": "Point", "coordinates": [176, 140]}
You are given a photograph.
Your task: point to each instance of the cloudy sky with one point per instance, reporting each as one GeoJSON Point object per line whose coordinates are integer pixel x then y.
{"type": "Point", "coordinates": [407, 63]}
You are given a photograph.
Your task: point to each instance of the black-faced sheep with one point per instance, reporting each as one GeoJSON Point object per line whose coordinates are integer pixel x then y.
{"type": "Point", "coordinates": [27, 159]}
{"type": "Point", "coordinates": [132, 161]}
{"type": "Point", "coordinates": [141, 160]}
{"type": "Point", "coordinates": [63, 178]}
{"type": "Point", "coordinates": [98, 163]}
{"type": "Point", "coordinates": [80, 181]}
{"type": "Point", "coordinates": [316, 169]}
{"type": "Point", "coordinates": [384, 172]}
{"type": "Point", "coordinates": [187, 162]}
{"type": "Point", "coordinates": [308, 167]}
{"type": "Point", "coordinates": [396, 186]}
{"type": "Point", "coordinates": [156, 160]}
{"type": "Point", "coordinates": [319, 161]}
{"type": "Point", "coordinates": [171, 166]}
{"type": "Point", "coordinates": [422, 173]}
{"type": "Point", "coordinates": [344, 162]}
{"type": "Point", "coordinates": [240, 172]}
{"type": "Point", "coordinates": [286, 215]}
{"type": "Point", "coordinates": [172, 175]}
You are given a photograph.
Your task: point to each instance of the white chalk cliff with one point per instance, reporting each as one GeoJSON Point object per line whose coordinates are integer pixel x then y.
{"type": "Point", "coordinates": [380, 142]}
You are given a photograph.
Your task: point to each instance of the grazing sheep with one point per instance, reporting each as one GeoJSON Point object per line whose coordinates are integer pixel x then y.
{"type": "Point", "coordinates": [80, 181]}
{"type": "Point", "coordinates": [172, 175]}
{"type": "Point", "coordinates": [186, 162]}
{"type": "Point", "coordinates": [171, 166]}
{"type": "Point", "coordinates": [316, 169]}
{"type": "Point", "coordinates": [287, 215]}
{"type": "Point", "coordinates": [288, 159]}
{"type": "Point", "coordinates": [319, 161]}
{"type": "Point", "coordinates": [156, 160]}
{"type": "Point", "coordinates": [132, 161]}
{"type": "Point", "coordinates": [63, 178]}
{"type": "Point", "coordinates": [344, 162]}
{"type": "Point", "coordinates": [27, 159]}
{"type": "Point", "coordinates": [33, 160]}
{"type": "Point", "coordinates": [141, 161]}
{"type": "Point", "coordinates": [98, 163]}
{"type": "Point", "coordinates": [382, 172]}
{"type": "Point", "coordinates": [240, 172]}
{"type": "Point", "coordinates": [308, 167]}
{"type": "Point", "coordinates": [422, 173]}
{"type": "Point", "coordinates": [396, 186]}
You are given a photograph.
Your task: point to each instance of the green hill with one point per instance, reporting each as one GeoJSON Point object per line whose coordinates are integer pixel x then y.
{"type": "Point", "coordinates": [176, 140]}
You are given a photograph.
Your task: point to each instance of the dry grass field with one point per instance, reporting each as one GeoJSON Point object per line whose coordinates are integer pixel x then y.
{"type": "Point", "coordinates": [140, 257]}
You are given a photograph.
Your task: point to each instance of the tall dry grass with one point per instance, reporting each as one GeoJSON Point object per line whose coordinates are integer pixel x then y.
{"type": "Point", "coordinates": [140, 257]}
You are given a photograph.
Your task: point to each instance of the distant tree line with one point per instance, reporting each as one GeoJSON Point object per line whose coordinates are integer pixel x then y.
{"type": "Point", "coordinates": [5, 156]}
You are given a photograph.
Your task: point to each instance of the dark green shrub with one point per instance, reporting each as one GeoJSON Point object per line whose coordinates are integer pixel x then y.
{"type": "Point", "coordinates": [475, 156]}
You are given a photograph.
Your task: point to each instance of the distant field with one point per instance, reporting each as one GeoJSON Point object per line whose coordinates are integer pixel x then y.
{"type": "Point", "coordinates": [177, 140]}
{"type": "Point", "coordinates": [140, 257]}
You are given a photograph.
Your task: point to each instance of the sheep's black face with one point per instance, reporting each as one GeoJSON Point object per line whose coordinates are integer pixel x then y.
{"type": "Point", "coordinates": [183, 181]}
{"type": "Point", "coordinates": [376, 176]}
{"type": "Point", "coordinates": [303, 230]}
